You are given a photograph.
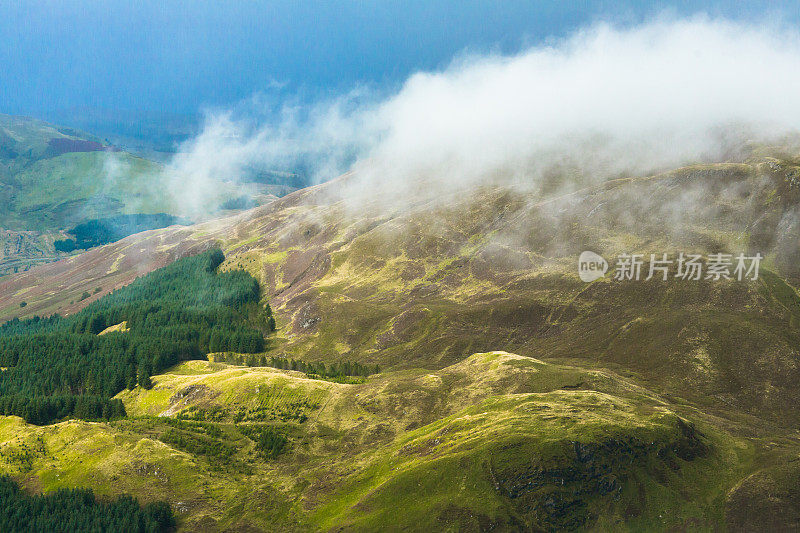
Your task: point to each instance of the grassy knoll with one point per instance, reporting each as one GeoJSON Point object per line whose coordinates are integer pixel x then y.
{"type": "Point", "coordinates": [497, 440]}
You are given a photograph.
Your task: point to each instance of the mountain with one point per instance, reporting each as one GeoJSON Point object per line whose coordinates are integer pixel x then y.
{"type": "Point", "coordinates": [510, 395]}
{"type": "Point", "coordinates": [149, 134]}
{"type": "Point", "coordinates": [54, 178]}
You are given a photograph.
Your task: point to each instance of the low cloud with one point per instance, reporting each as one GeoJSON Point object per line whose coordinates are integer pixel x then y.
{"type": "Point", "coordinates": [604, 102]}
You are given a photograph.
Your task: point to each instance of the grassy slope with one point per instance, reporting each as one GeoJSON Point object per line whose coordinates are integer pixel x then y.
{"type": "Point", "coordinates": [497, 439]}
{"type": "Point", "coordinates": [81, 186]}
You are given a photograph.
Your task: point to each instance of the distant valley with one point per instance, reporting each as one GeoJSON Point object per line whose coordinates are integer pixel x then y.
{"type": "Point", "coordinates": [56, 179]}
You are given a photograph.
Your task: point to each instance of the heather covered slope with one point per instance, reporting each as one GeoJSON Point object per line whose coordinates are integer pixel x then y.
{"type": "Point", "coordinates": [420, 283]}
{"type": "Point", "coordinates": [427, 284]}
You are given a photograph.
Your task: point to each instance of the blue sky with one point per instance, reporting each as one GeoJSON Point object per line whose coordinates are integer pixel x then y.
{"type": "Point", "coordinates": [178, 56]}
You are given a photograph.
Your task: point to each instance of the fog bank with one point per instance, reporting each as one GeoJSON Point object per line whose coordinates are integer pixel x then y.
{"type": "Point", "coordinates": [604, 102]}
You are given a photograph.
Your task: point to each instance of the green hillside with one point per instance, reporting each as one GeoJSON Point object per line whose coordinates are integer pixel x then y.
{"type": "Point", "coordinates": [497, 441]}
{"type": "Point", "coordinates": [53, 178]}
